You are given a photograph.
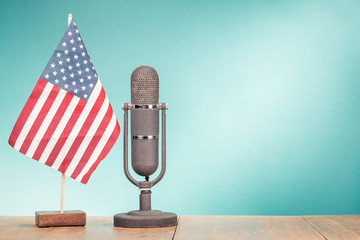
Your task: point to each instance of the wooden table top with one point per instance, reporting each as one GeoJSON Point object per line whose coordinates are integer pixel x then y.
{"type": "Point", "coordinates": [344, 227]}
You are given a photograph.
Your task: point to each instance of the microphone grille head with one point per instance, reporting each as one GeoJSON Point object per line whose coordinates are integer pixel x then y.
{"type": "Point", "coordinates": [144, 85]}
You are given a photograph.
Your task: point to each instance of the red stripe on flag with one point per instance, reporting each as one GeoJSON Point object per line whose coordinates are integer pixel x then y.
{"type": "Point", "coordinates": [65, 133]}
{"type": "Point", "coordinates": [83, 131]}
{"type": "Point", "coordinates": [54, 123]}
{"type": "Point", "coordinates": [103, 153]}
{"type": "Point", "coordinates": [39, 119]}
{"type": "Point", "coordinates": [93, 143]}
{"type": "Point", "coordinates": [25, 112]}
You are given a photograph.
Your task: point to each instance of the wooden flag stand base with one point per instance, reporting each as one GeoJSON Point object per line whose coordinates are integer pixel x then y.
{"type": "Point", "coordinates": [57, 219]}
{"type": "Point", "coordinates": [60, 218]}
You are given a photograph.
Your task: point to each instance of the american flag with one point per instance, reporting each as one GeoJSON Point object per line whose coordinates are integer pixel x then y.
{"type": "Point", "coordinates": [67, 123]}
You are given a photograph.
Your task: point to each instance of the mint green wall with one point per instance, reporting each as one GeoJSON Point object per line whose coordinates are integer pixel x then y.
{"type": "Point", "coordinates": [264, 103]}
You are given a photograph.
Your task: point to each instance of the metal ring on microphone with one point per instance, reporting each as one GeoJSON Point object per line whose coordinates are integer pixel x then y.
{"type": "Point", "coordinates": [144, 106]}
{"type": "Point", "coordinates": [159, 106]}
{"type": "Point", "coordinates": [145, 137]}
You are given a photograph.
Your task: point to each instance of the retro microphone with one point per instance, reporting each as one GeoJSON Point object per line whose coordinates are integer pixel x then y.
{"type": "Point", "coordinates": [144, 109]}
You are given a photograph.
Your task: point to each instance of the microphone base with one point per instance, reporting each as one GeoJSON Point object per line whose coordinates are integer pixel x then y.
{"type": "Point", "coordinates": [145, 219]}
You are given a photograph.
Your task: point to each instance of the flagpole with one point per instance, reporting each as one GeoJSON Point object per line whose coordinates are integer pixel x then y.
{"type": "Point", "coordinates": [63, 175]}
{"type": "Point", "coordinates": [62, 193]}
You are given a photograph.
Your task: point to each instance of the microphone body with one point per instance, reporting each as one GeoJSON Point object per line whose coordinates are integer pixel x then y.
{"type": "Point", "coordinates": [145, 109]}
{"type": "Point", "coordinates": [144, 122]}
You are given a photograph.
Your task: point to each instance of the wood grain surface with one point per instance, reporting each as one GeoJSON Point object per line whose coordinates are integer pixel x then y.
{"type": "Point", "coordinates": [342, 227]}
{"type": "Point", "coordinates": [195, 227]}
{"type": "Point", "coordinates": [245, 227]}
{"type": "Point", "coordinates": [16, 228]}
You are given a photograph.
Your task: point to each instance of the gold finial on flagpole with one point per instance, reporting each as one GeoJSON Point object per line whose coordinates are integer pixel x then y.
{"type": "Point", "coordinates": [69, 18]}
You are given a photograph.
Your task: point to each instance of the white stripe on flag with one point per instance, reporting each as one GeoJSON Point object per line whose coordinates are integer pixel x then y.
{"type": "Point", "coordinates": [78, 125]}
{"type": "Point", "coordinates": [33, 115]}
{"type": "Point", "coordinates": [89, 136]}
{"type": "Point", "coordinates": [99, 147]}
{"type": "Point", "coordinates": [45, 124]}
{"type": "Point", "coordinates": [60, 127]}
